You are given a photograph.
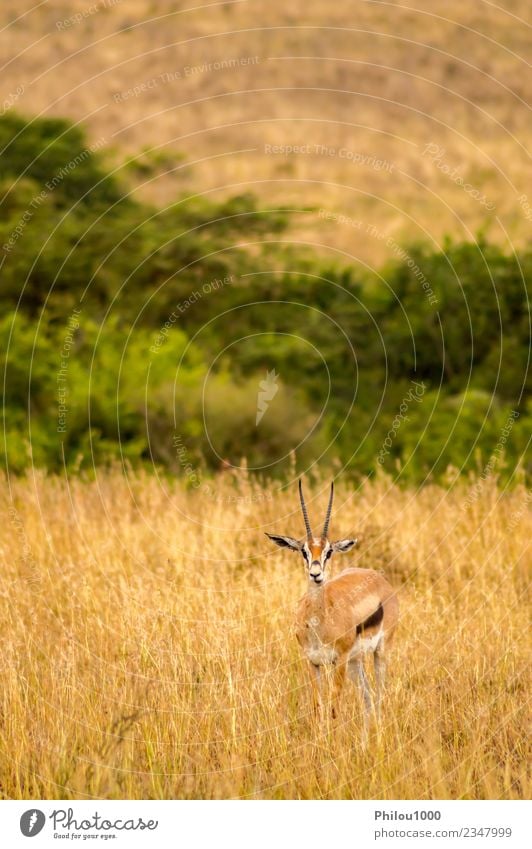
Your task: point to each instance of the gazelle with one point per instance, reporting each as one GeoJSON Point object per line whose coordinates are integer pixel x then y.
{"type": "Point", "coordinates": [340, 620]}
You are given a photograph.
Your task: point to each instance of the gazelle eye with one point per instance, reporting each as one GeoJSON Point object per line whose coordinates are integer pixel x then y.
{"type": "Point", "coordinates": [328, 554]}
{"type": "Point", "coordinates": [305, 555]}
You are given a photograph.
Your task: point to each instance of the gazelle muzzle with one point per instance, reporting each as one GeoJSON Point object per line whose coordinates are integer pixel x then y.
{"type": "Point", "coordinates": [315, 571]}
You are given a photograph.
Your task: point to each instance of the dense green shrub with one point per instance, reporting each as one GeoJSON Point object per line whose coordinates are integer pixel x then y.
{"type": "Point", "coordinates": [170, 319]}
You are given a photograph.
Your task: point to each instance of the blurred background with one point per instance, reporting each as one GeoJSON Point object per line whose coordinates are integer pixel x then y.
{"type": "Point", "coordinates": [253, 235]}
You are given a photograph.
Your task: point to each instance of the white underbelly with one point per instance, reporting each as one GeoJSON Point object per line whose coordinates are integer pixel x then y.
{"type": "Point", "coordinates": [363, 645]}
{"type": "Point", "coordinates": [321, 655]}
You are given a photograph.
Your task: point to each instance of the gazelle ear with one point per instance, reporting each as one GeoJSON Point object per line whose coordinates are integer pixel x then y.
{"type": "Point", "coordinates": [344, 544]}
{"type": "Point", "coordinates": [285, 542]}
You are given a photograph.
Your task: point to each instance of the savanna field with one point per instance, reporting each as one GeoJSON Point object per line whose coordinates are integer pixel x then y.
{"type": "Point", "coordinates": [148, 647]}
{"type": "Point", "coordinates": [242, 237]}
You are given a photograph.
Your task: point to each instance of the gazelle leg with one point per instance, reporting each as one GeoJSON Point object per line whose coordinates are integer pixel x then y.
{"type": "Point", "coordinates": [358, 673]}
{"type": "Point", "coordinates": [317, 685]}
{"type": "Point", "coordinates": [380, 677]}
{"type": "Point", "coordinates": [339, 679]}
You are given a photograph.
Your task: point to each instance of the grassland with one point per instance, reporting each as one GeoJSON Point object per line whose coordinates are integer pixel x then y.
{"type": "Point", "coordinates": [148, 650]}
{"type": "Point", "coordinates": [207, 91]}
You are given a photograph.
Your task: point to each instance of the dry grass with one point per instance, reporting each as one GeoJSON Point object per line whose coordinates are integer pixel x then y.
{"type": "Point", "coordinates": [380, 79]}
{"type": "Point", "coordinates": [148, 650]}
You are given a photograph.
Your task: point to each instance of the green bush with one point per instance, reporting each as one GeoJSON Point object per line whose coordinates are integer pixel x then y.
{"type": "Point", "coordinates": [177, 315]}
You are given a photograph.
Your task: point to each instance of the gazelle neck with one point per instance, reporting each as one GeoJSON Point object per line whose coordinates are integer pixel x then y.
{"type": "Point", "coordinates": [314, 590]}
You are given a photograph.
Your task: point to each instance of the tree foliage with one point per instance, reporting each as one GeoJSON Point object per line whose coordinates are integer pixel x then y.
{"type": "Point", "coordinates": [129, 331]}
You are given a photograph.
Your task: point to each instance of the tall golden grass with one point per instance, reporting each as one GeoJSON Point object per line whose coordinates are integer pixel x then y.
{"type": "Point", "coordinates": [148, 647]}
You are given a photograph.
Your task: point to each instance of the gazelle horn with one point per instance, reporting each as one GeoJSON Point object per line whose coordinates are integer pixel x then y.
{"type": "Point", "coordinates": [328, 515]}
{"type": "Point", "coordinates": [304, 509]}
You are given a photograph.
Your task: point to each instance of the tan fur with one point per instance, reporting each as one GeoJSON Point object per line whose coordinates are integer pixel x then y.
{"type": "Point", "coordinates": [333, 610]}
{"type": "Point", "coordinates": [327, 619]}
{"type": "Point", "coordinates": [315, 549]}
{"type": "Point", "coordinates": [341, 620]}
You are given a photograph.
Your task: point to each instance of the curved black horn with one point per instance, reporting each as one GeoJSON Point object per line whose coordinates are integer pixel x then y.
{"type": "Point", "coordinates": [304, 509]}
{"type": "Point", "coordinates": [328, 516]}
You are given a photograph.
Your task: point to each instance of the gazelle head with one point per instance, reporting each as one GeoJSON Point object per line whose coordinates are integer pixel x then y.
{"type": "Point", "coordinates": [316, 551]}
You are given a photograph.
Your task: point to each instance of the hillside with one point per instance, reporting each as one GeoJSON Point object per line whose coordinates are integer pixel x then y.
{"type": "Point", "coordinates": [410, 123]}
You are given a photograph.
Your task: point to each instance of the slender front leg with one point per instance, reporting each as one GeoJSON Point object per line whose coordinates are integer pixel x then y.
{"type": "Point", "coordinates": [316, 685]}
{"type": "Point", "coordinates": [357, 673]}
{"type": "Point", "coordinates": [380, 678]}
{"type": "Point", "coordinates": [339, 679]}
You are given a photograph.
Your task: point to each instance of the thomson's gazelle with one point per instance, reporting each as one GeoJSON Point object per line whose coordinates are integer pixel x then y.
{"type": "Point", "coordinates": [341, 620]}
